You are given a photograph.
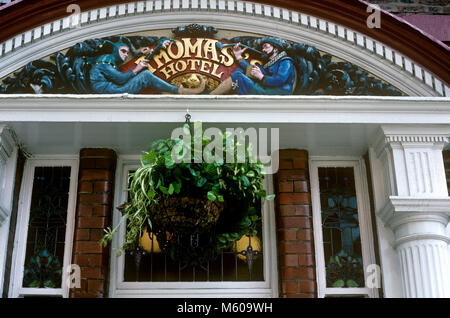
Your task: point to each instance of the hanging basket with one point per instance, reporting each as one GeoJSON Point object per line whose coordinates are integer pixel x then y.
{"type": "Point", "coordinates": [185, 215]}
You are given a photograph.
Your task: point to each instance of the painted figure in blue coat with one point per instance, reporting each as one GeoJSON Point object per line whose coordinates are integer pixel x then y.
{"type": "Point", "coordinates": [105, 77]}
{"type": "Point", "coordinates": [276, 77]}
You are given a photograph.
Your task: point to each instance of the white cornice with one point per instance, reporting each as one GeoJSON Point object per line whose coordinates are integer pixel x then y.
{"type": "Point", "coordinates": [337, 40]}
{"type": "Point", "coordinates": [276, 109]}
{"type": "Point", "coordinates": [400, 210]}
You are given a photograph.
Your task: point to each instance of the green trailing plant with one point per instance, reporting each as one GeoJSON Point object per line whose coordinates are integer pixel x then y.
{"type": "Point", "coordinates": [344, 270]}
{"type": "Point", "coordinates": [181, 170]}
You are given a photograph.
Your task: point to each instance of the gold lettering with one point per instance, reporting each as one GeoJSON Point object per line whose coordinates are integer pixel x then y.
{"type": "Point", "coordinates": [192, 48]}
{"type": "Point", "coordinates": [194, 64]}
{"type": "Point", "coordinates": [180, 66]}
{"type": "Point", "coordinates": [180, 49]}
{"type": "Point", "coordinates": [214, 71]}
{"type": "Point", "coordinates": [210, 47]}
{"type": "Point", "coordinates": [161, 55]}
{"type": "Point", "coordinates": [203, 66]}
{"type": "Point", "coordinates": [227, 58]}
{"type": "Point", "coordinates": [169, 70]}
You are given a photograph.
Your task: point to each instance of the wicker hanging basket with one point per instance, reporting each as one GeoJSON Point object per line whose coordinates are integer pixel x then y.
{"type": "Point", "coordinates": [185, 215]}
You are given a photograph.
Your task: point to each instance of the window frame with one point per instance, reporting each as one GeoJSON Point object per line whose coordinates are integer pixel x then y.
{"type": "Point", "coordinates": [364, 218]}
{"type": "Point", "coordinates": [20, 240]}
{"type": "Point", "coordinates": [260, 289]}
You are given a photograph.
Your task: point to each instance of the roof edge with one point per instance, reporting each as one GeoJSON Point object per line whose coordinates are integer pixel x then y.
{"type": "Point", "coordinates": [394, 32]}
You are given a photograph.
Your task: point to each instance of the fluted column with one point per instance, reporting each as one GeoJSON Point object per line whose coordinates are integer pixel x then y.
{"type": "Point", "coordinates": [417, 208]}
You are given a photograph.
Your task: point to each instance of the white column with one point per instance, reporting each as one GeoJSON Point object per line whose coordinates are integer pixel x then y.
{"type": "Point", "coordinates": [417, 206]}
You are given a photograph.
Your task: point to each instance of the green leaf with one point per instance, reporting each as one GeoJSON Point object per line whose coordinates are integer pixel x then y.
{"type": "Point", "coordinates": [211, 196]}
{"type": "Point", "coordinates": [245, 180]}
{"type": "Point", "coordinates": [220, 198]}
{"type": "Point", "coordinates": [251, 174]}
{"type": "Point", "coordinates": [171, 189]}
{"type": "Point", "coordinates": [339, 283]}
{"type": "Point", "coordinates": [270, 197]}
{"type": "Point", "coordinates": [163, 189]}
{"type": "Point", "coordinates": [352, 283]}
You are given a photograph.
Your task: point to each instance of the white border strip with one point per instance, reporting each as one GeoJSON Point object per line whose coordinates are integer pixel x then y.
{"type": "Point", "coordinates": [311, 23]}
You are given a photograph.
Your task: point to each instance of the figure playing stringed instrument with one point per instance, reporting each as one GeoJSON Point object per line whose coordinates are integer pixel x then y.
{"type": "Point", "coordinates": [105, 77]}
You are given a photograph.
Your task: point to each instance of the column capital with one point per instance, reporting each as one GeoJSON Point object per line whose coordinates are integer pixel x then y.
{"type": "Point", "coordinates": [403, 210]}
{"type": "Point", "coordinates": [412, 157]}
{"type": "Point", "coordinates": [393, 136]}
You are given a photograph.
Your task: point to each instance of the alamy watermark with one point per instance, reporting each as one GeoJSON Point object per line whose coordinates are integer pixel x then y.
{"type": "Point", "coordinates": [374, 19]}
{"type": "Point", "coordinates": [74, 18]}
{"type": "Point", "coordinates": [237, 149]}
{"type": "Point", "coordinates": [73, 278]}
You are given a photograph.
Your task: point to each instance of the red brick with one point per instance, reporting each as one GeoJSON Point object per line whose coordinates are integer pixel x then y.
{"type": "Point", "coordinates": [294, 198]}
{"type": "Point", "coordinates": [85, 187]}
{"type": "Point", "coordinates": [102, 186]}
{"type": "Point", "coordinates": [287, 247]}
{"type": "Point", "coordinates": [300, 163]}
{"type": "Point", "coordinates": [105, 163]}
{"type": "Point", "coordinates": [96, 234]}
{"type": "Point", "coordinates": [299, 222]}
{"type": "Point", "coordinates": [97, 153]}
{"type": "Point", "coordinates": [96, 285]}
{"type": "Point", "coordinates": [301, 186]}
{"type": "Point", "coordinates": [307, 286]}
{"type": "Point", "coordinates": [286, 186]}
{"type": "Point", "coordinates": [289, 260]}
{"type": "Point", "coordinates": [87, 164]}
{"type": "Point", "coordinates": [91, 272]}
{"type": "Point", "coordinates": [92, 174]}
{"type": "Point", "coordinates": [292, 174]}
{"type": "Point", "coordinates": [92, 222]}
{"type": "Point", "coordinates": [286, 164]}
{"type": "Point", "coordinates": [290, 287]}
{"type": "Point", "coordinates": [306, 260]}
{"type": "Point", "coordinates": [96, 260]}
{"type": "Point", "coordinates": [299, 296]}
{"type": "Point", "coordinates": [94, 198]}
{"type": "Point", "coordinates": [81, 259]}
{"type": "Point", "coordinates": [304, 235]}
{"type": "Point", "coordinates": [293, 153]}
{"type": "Point", "coordinates": [294, 210]}
{"type": "Point", "coordinates": [82, 235]}
{"type": "Point", "coordinates": [84, 210]}
{"type": "Point", "coordinates": [86, 295]}
{"type": "Point", "coordinates": [287, 235]}
{"type": "Point", "coordinates": [87, 247]}
{"type": "Point", "coordinates": [101, 210]}
{"type": "Point", "coordinates": [291, 273]}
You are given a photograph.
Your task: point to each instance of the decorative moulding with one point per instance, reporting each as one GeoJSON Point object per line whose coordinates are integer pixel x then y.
{"type": "Point", "coordinates": [400, 210]}
{"type": "Point", "coordinates": [327, 36]}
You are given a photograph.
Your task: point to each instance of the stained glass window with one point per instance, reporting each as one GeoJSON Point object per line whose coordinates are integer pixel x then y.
{"type": "Point", "coordinates": [340, 228]}
{"type": "Point", "coordinates": [47, 227]}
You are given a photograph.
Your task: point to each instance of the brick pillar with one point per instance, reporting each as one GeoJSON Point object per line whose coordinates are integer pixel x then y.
{"type": "Point", "coordinates": [94, 213]}
{"type": "Point", "coordinates": [294, 226]}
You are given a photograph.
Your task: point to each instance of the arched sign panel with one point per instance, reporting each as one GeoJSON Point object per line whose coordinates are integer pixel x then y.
{"type": "Point", "coordinates": [194, 61]}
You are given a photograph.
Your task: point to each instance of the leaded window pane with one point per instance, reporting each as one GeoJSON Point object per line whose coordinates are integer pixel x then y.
{"type": "Point", "coordinates": [47, 227]}
{"type": "Point", "coordinates": [340, 227]}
